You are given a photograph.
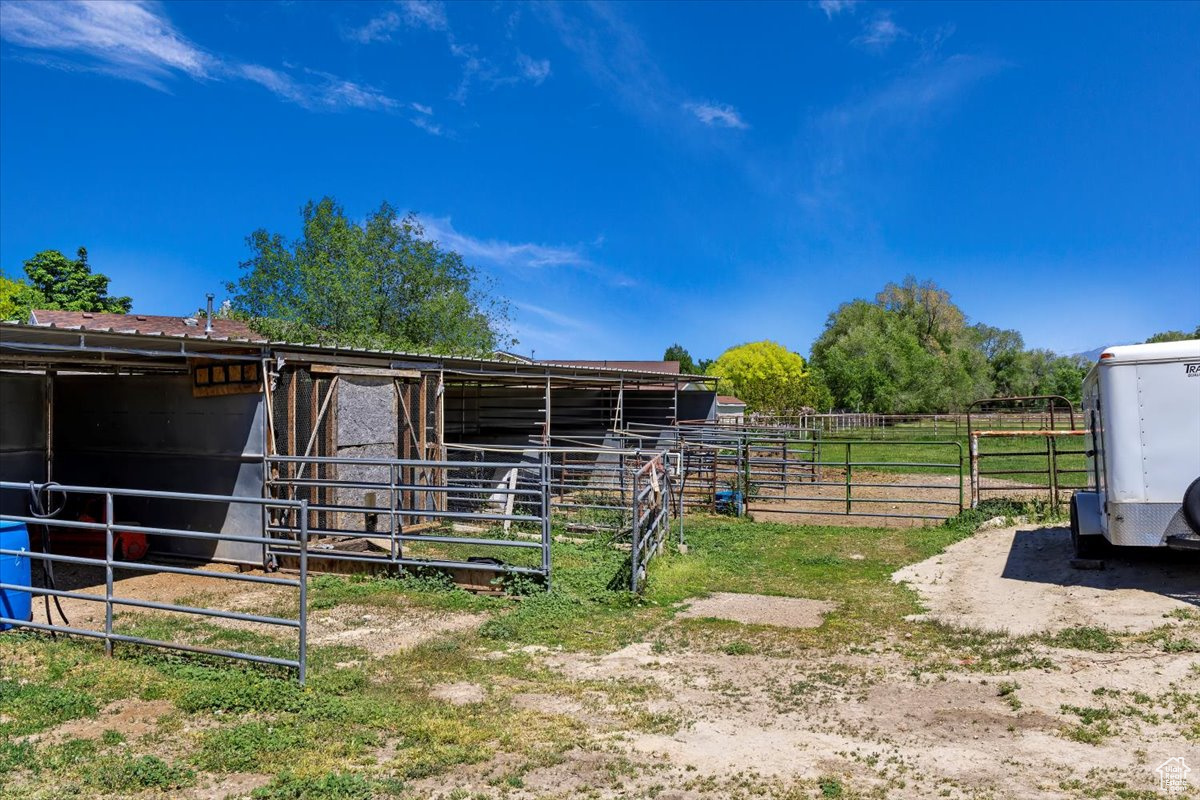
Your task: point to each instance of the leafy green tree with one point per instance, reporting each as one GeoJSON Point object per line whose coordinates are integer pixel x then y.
{"type": "Point", "coordinates": [938, 321]}
{"type": "Point", "coordinates": [908, 352]}
{"type": "Point", "coordinates": [1008, 362]}
{"type": "Point", "coordinates": [678, 352]}
{"type": "Point", "coordinates": [380, 283]}
{"type": "Point", "coordinates": [60, 283]}
{"type": "Point", "coordinates": [1174, 336]}
{"type": "Point", "coordinates": [768, 377]}
{"type": "Point", "coordinates": [17, 299]}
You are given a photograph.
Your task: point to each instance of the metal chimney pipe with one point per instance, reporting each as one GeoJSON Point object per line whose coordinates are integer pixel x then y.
{"type": "Point", "coordinates": [208, 317]}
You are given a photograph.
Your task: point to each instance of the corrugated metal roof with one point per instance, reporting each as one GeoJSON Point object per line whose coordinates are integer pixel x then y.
{"type": "Point", "coordinates": [498, 366]}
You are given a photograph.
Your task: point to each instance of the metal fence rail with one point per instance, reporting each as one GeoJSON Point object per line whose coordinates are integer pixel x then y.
{"type": "Point", "coordinates": [624, 494]}
{"type": "Point", "coordinates": [484, 514]}
{"type": "Point", "coordinates": [1045, 458]}
{"type": "Point", "coordinates": [651, 522]}
{"type": "Point", "coordinates": [109, 529]}
{"type": "Point", "coordinates": [834, 492]}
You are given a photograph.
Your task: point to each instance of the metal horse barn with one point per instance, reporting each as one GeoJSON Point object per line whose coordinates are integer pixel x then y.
{"type": "Point", "coordinates": [1142, 408]}
{"type": "Point", "coordinates": [135, 444]}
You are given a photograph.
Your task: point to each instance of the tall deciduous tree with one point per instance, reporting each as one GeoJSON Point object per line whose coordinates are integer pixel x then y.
{"type": "Point", "coordinates": [768, 377]}
{"type": "Point", "coordinates": [60, 283]}
{"type": "Point", "coordinates": [380, 283]}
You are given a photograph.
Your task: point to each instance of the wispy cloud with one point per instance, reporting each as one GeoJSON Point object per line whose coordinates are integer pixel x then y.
{"type": "Point", "coordinates": [536, 70]}
{"type": "Point", "coordinates": [555, 332]}
{"type": "Point", "coordinates": [880, 32]}
{"type": "Point", "coordinates": [717, 115]}
{"type": "Point", "coordinates": [429, 14]}
{"type": "Point", "coordinates": [428, 125]}
{"type": "Point", "coordinates": [856, 145]}
{"type": "Point", "coordinates": [523, 255]}
{"type": "Point", "coordinates": [125, 39]}
{"type": "Point", "coordinates": [834, 7]}
{"type": "Point", "coordinates": [614, 55]}
{"type": "Point", "coordinates": [519, 257]}
{"type": "Point", "coordinates": [134, 41]}
{"type": "Point", "coordinates": [319, 91]}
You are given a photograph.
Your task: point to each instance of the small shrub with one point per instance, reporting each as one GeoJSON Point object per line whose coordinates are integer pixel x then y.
{"type": "Point", "coordinates": [143, 772]}
{"type": "Point", "coordinates": [332, 786]}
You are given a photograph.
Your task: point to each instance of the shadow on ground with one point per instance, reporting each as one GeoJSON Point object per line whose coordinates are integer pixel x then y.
{"type": "Point", "coordinates": [1043, 555]}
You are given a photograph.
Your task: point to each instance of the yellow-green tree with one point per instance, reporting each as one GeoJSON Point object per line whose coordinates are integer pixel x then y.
{"type": "Point", "coordinates": [768, 377]}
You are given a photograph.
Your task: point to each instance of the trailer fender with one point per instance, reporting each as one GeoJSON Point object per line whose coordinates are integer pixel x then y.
{"type": "Point", "coordinates": [1191, 505]}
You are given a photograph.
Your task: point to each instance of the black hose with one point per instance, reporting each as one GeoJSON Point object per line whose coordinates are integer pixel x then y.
{"type": "Point", "coordinates": [38, 508]}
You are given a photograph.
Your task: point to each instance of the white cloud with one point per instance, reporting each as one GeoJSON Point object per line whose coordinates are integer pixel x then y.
{"type": "Point", "coordinates": [536, 70]}
{"type": "Point", "coordinates": [519, 257]}
{"type": "Point", "coordinates": [132, 40]}
{"type": "Point", "coordinates": [378, 29]}
{"type": "Point", "coordinates": [880, 32]}
{"type": "Point", "coordinates": [125, 39]}
{"type": "Point", "coordinates": [497, 252]}
{"type": "Point", "coordinates": [421, 109]}
{"type": "Point", "coordinates": [834, 7]}
{"type": "Point", "coordinates": [429, 14]}
{"type": "Point", "coordinates": [717, 115]}
{"type": "Point", "coordinates": [428, 125]}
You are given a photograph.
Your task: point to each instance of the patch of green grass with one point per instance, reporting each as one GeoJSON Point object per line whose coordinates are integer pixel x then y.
{"type": "Point", "coordinates": [332, 786]}
{"type": "Point", "coordinates": [1084, 637]}
{"type": "Point", "coordinates": [250, 747]}
{"type": "Point", "coordinates": [737, 648]}
{"type": "Point", "coordinates": [112, 774]}
{"type": "Point", "coordinates": [33, 707]}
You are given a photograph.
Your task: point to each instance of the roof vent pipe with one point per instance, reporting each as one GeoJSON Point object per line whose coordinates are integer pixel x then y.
{"type": "Point", "coordinates": [208, 317]}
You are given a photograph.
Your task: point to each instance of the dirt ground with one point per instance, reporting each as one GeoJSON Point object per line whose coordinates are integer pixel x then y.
{"type": "Point", "coordinates": [364, 626]}
{"type": "Point", "coordinates": [888, 720]}
{"type": "Point", "coordinates": [1020, 581]}
{"type": "Point", "coordinates": [879, 722]}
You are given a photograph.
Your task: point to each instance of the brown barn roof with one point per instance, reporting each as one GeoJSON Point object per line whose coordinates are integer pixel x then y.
{"type": "Point", "coordinates": [144, 324]}
{"type": "Point", "coordinates": [729, 400]}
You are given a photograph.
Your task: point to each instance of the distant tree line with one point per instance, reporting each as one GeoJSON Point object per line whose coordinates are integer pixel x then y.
{"type": "Point", "coordinates": [910, 350]}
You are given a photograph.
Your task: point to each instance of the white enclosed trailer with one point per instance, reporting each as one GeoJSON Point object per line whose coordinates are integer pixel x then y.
{"type": "Point", "coordinates": [1141, 404]}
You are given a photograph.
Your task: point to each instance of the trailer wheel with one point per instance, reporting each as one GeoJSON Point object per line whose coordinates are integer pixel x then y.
{"type": "Point", "coordinates": [1191, 505]}
{"type": "Point", "coordinates": [1085, 546]}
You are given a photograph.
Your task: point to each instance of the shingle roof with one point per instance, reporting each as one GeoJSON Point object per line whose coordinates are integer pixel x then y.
{"type": "Point", "coordinates": [729, 400]}
{"type": "Point", "coordinates": [144, 324]}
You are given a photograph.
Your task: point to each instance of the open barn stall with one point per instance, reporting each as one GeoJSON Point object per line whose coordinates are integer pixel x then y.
{"type": "Point", "coordinates": [93, 409]}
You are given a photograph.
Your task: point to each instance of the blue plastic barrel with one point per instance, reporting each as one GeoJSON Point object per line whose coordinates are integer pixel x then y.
{"type": "Point", "coordinates": [14, 603]}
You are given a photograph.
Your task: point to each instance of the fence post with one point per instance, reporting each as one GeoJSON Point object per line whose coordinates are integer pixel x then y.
{"type": "Point", "coordinates": [1052, 463]}
{"type": "Point", "coordinates": [108, 573]}
{"type": "Point", "coordinates": [633, 539]}
{"type": "Point", "coordinates": [394, 546]}
{"type": "Point", "coordinates": [303, 656]}
{"type": "Point", "coordinates": [975, 470]}
{"type": "Point", "coordinates": [849, 468]}
{"type": "Point", "coordinates": [545, 509]}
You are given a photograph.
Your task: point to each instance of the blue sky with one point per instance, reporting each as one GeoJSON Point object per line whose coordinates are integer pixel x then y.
{"type": "Point", "coordinates": [632, 174]}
